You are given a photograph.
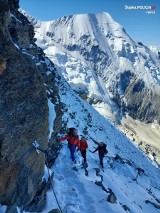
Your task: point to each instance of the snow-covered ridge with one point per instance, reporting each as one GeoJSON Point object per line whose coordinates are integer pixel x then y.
{"type": "Point", "coordinates": [33, 21]}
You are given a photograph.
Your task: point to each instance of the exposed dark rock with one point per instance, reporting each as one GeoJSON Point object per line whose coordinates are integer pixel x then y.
{"type": "Point", "coordinates": [111, 197]}
{"type": "Point", "coordinates": [118, 158]}
{"type": "Point", "coordinates": [139, 86]}
{"type": "Point", "coordinates": [126, 208]}
{"type": "Point", "coordinates": [140, 171]}
{"type": "Point", "coordinates": [24, 119]}
{"type": "Point", "coordinates": [2, 67]}
{"type": "Point", "coordinates": [55, 211]}
{"type": "Point", "coordinates": [21, 31]}
{"type": "Point", "coordinates": [23, 109]}
{"type": "Point", "coordinates": [140, 102]}
{"type": "Point", "coordinates": [12, 208]}
{"type": "Point", "coordinates": [125, 80]}
{"type": "Point", "coordinates": [100, 183]}
{"type": "Point", "coordinates": [83, 94]}
{"type": "Point", "coordinates": [97, 171]}
{"type": "Point", "coordinates": [75, 169]}
{"type": "Point", "coordinates": [154, 204]}
{"type": "Point", "coordinates": [39, 201]}
{"type": "Point", "coordinates": [54, 145]}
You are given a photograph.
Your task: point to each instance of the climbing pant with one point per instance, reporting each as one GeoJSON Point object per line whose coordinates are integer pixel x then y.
{"type": "Point", "coordinates": [101, 160]}
{"type": "Point", "coordinates": [83, 153]}
{"type": "Point", "coordinates": [72, 149]}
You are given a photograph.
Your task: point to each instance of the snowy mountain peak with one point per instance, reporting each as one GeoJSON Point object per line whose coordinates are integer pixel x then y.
{"type": "Point", "coordinates": [103, 64]}
{"type": "Point", "coordinates": [85, 23]}
{"type": "Point", "coordinates": [76, 28]}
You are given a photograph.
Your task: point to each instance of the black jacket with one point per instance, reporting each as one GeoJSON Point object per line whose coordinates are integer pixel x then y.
{"type": "Point", "coordinates": [101, 150]}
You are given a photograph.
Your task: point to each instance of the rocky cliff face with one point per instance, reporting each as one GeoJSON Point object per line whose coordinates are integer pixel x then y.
{"type": "Point", "coordinates": [134, 98]}
{"type": "Point", "coordinates": [23, 108]}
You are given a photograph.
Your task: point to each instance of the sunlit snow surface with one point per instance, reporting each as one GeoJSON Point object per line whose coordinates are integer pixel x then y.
{"type": "Point", "coordinates": [77, 192]}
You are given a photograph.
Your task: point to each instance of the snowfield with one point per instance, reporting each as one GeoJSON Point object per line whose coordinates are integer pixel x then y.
{"type": "Point", "coordinates": [81, 190]}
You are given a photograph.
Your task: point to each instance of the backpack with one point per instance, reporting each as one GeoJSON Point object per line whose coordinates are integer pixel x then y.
{"type": "Point", "coordinates": [70, 132]}
{"type": "Point", "coordinates": [105, 149]}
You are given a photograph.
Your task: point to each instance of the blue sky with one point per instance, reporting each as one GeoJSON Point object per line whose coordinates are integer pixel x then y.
{"type": "Point", "coordinates": [137, 23]}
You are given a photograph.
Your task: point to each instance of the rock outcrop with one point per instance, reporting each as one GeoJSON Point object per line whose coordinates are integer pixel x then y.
{"type": "Point", "coordinates": [136, 99]}
{"type": "Point", "coordinates": [23, 108]}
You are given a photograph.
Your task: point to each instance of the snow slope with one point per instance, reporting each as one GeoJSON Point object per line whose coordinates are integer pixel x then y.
{"type": "Point", "coordinates": [83, 191]}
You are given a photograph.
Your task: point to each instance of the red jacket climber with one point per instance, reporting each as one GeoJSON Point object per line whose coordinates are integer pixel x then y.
{"type": "Point", "coordinates": [73, 141]}
{"type": "Point", "coordinates": [83, 145]}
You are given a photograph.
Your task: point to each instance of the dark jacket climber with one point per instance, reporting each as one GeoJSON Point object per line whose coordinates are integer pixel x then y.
{"type": "Point", "coordinates": [73, 142]}
{"type": "Point", "coordinates": [83, 145]}
{"type": "Point", "coordinates": [102, 150]}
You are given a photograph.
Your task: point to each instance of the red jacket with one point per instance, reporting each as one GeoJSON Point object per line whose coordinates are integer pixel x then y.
{"type": "Point", "coordinates": [72, 140]}
{"type": "Point", "coordinates": [83, 145]}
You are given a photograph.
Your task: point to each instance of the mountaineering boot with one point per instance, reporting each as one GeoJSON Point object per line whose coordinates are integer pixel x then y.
{"type": "Point", "coordinates": [101, 165]}
{"type": "Point", "coordinates": [85, 164]}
